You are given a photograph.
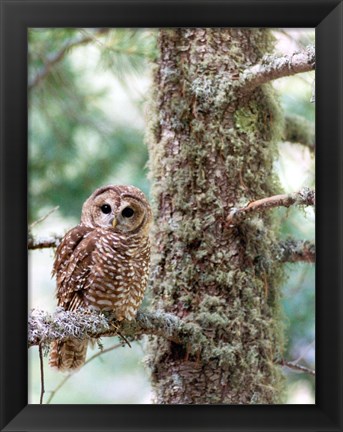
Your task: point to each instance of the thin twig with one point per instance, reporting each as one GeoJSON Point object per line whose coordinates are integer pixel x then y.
{"type": "Point", "coordinates": [57, 57]}
{"type": "Point", "coordinates": [41, 362]}
{"type": "Point", "coordinates": [124, 339]}
{"type": "Point", "coordinates": [305, 196]}
{"type": "Point", "coordinates": [66, 378]}
{"type": "Point", "coordinates": [272, 67]}
{"type": "Point", "coordinates": [46, 242]}
{"type": "Point", "coordinates": [43, 217]}
{"type": "Point", "coordinates": [53, 392]}
{"type": "Point", "coordinates": [297, 367]}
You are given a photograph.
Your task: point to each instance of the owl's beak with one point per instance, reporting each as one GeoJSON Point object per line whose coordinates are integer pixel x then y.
{"type": "Point", "coordinates": [114, 222]}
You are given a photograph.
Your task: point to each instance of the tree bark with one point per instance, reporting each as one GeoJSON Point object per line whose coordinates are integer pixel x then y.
{"type": "Point", "coordinates": [211, 150]}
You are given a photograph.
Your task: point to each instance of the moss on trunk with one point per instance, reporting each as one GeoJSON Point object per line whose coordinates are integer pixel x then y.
{"type": "Point", "coordinates": [212, 147]}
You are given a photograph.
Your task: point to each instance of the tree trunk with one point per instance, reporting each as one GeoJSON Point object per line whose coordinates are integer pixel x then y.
{"type": "Point", "coordinates": [212, 147]}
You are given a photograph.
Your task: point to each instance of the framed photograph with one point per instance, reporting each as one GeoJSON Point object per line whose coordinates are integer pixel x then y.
{"type": "Point", "coordinates": [176, 168]}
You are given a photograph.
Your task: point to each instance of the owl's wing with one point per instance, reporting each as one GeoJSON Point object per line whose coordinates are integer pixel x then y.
{"type": "Point", "coordinates": [72, 265]}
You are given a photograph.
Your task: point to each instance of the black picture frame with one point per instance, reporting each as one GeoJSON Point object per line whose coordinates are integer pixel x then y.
{"type": "Point", "coordinates": [16, 18]}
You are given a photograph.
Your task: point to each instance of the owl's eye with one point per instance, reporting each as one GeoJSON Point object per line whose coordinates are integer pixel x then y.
{"type": "Point", "coordinates": [127, 212]}
{"type": "Point", "coordinates": [106, 208]}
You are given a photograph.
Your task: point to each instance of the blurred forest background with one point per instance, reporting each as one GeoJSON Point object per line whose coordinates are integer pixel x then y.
{"type": "Point", "coordinates": [88, 90]}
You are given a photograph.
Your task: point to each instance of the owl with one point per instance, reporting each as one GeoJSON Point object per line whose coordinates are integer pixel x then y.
{"type": "Point", "coordinates": [103, 263]}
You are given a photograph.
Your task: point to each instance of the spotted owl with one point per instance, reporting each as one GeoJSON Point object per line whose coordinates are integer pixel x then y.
{"type": "Point", "coordinates": [103, 263]}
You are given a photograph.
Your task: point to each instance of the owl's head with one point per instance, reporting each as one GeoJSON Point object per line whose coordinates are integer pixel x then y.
{"type": "Point", "coordinates": [120, 208]}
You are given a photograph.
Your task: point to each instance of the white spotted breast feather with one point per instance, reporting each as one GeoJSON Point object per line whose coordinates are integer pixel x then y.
{"type": "Point", "coordinates": [103, 270]}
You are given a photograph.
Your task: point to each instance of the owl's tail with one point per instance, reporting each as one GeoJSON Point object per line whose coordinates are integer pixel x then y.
{"type": "Point", "coordinates": [68, 355]}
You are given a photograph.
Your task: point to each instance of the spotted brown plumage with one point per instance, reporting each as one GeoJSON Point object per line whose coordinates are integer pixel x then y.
{"type": "Point", "coordinates": [103, 263]}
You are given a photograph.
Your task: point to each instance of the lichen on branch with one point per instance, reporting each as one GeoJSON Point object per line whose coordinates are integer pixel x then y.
{"type": "Point", "coordinates": [292, 251]}
{"type": "Point", "coordinates": [44, 327]}
{"type": "Point", "coordinates": [43, 242]}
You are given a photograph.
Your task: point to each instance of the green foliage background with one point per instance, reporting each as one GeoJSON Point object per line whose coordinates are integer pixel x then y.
{"type": "Point", "coordinates": [76, 141]}
{"type": "Point", "coordinates": [87, 94]}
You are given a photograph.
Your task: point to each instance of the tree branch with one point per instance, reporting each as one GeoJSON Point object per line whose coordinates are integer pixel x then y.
{"type": "Point", "coordinates": [55, 58]}
{"type": "Point", "coordinates": [272, 67]}
{"type": "Point", "coordinates": [293, 251]}
{"type": "Point", "coordinates": [299, 130]}
{"type": "Point", "coordinates": [297, 367]}
{"type": "Point", "coordinates": [305, 196]}
{"type": "Point", "coordinates": [43, 242]}
{"type": "Point", "coordinates": [44, 327]}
